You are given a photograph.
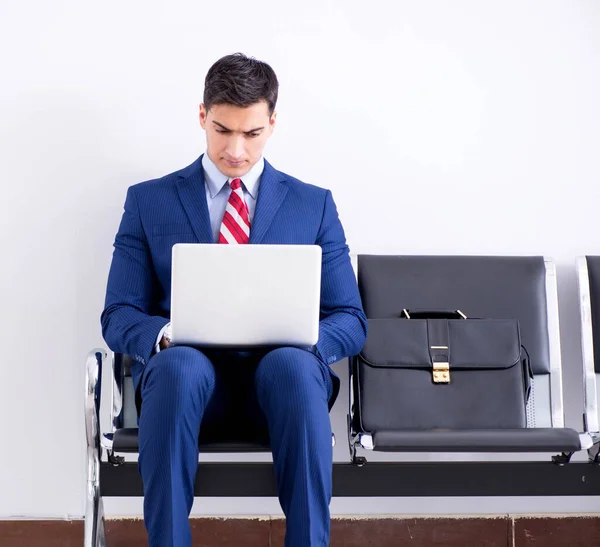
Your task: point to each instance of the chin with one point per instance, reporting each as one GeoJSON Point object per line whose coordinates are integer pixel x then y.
{"type": "Point", "coordinates": [240, 171]}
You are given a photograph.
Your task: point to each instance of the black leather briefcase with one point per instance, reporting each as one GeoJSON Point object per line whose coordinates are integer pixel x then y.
{"type": "Point", "coordinates": [439, 370]}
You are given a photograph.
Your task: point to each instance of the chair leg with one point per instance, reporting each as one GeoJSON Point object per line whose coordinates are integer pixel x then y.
{"type": "Point", "coordinates": [94, 535]}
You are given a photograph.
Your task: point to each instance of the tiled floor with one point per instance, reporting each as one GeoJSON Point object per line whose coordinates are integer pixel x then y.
{"type": "Point", "coordinates": [503, 531]}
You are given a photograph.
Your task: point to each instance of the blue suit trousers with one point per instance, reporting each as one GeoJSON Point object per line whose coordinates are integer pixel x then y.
{"type": "Point", "coordinates": [187, 393]}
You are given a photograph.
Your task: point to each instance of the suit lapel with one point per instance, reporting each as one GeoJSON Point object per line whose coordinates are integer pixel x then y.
{"type": "Point", "coordinates": [271, 193]}
{"type": "Point", "coordinates": [192, 194]}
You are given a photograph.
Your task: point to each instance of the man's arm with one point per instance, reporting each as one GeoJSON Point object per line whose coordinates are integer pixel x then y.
{"type": "Point", "coordinates": [127, 325]}
{"type": "Point", "coordinates": [343, 325]}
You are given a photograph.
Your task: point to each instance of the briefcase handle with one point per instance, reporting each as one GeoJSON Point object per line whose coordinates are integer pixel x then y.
{"type": "Point", "coordinates": [432, 314]}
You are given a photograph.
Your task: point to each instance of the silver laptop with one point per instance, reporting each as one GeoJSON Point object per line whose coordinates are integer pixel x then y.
{"type": "Point", "coordinates": [245, 295]}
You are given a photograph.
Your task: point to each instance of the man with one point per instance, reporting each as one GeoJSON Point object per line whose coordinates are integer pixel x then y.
{"type": "Point", "coordinates": [230, 195]}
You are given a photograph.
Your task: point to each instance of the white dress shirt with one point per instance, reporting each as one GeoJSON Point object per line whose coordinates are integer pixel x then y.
{"type": "Point", "coordinates": [217, 195]}
{"type": "Point", "coordinates": [218, 191]}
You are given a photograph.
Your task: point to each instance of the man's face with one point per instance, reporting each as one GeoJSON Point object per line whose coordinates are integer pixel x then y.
{"type": "Point", "coordinates": [235, 137]}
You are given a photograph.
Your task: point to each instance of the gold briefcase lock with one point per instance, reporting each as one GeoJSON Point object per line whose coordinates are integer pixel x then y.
{"type": "Point", "coordinates": [441, 373]}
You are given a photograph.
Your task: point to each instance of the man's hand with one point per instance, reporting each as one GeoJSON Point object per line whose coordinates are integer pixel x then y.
{"type": "Point", "coordinates": [164, 343]}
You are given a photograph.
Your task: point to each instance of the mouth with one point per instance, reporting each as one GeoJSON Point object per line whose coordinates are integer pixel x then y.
{"type": "Point", "coordinates": [234, 163]}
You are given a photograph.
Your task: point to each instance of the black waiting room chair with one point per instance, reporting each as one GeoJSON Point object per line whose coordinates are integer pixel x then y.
{"type": "Point", "coordinates": [497, 287]}
{"type": "Point", "coordinates": [122, 437]}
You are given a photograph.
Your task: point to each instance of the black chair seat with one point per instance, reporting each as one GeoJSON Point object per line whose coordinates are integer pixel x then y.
{"type": "Point", "coordinates": [126, 440]}
{"type": "Point", "coordinates": [549, 439]}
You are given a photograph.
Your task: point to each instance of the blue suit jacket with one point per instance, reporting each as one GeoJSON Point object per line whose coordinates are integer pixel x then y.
{"type": "Point", "coordinates": [173, 209]}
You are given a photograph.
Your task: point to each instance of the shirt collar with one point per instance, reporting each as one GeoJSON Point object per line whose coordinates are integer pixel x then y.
{"type": "Point", "coordinates": [216, 180]}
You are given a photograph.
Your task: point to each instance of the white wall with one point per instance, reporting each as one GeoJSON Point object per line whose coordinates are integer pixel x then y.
{"type": "Point", "coordinates": [481, 115]}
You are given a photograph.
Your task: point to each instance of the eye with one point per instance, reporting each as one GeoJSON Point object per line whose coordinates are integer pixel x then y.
{"type": "Point", "coordinates": [222, 131]}
{"type": "Point", "coordinates": [253, 135]}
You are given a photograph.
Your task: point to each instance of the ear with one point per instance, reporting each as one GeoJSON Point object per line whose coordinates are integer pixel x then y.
{"type": "Point", "coordinates": [203, 115]}
{"type": "Point", "coordinates": [272, 121]}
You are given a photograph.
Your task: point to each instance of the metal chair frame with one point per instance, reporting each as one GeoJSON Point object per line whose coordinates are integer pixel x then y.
{"type": "Point", "coordinates": [108, 474]}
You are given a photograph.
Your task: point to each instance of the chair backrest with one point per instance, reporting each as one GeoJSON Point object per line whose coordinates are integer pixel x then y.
{"type": "Point", "coordinates": [588, 276]}
{"type": "Point", "coordinates": [481, 286]}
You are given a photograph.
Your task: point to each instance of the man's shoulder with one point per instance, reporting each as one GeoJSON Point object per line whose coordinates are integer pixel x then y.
{"type": "Point", "coordinates": [305, 188]}
{"type": "Point", "coordinates": [165, 182]}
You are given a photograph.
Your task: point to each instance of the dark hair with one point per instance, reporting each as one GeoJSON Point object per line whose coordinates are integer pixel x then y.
{"type": "Point", "coordinates": [240, 81]}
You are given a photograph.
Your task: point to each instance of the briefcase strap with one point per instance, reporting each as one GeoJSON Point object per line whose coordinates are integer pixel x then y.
{"type": "Point", "coordinates": [437, 335]}
{"type": "Point", "coordinates": [432, 314]}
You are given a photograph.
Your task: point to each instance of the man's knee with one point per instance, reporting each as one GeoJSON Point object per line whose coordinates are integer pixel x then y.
{"type": "Point", "coordinates": [291, 370]}
{"type": "Point", "coordinates": [180, 368]}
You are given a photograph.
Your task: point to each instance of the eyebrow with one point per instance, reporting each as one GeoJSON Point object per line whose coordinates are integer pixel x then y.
{"type": "Point", "coordinates": [246, 132]}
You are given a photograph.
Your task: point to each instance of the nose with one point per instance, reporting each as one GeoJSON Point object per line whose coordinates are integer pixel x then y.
{"type": "Point", "coordinates": [235, 148]}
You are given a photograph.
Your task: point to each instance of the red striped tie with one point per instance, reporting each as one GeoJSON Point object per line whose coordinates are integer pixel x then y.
{"type": "Point", "coordinates": [235, 227]}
